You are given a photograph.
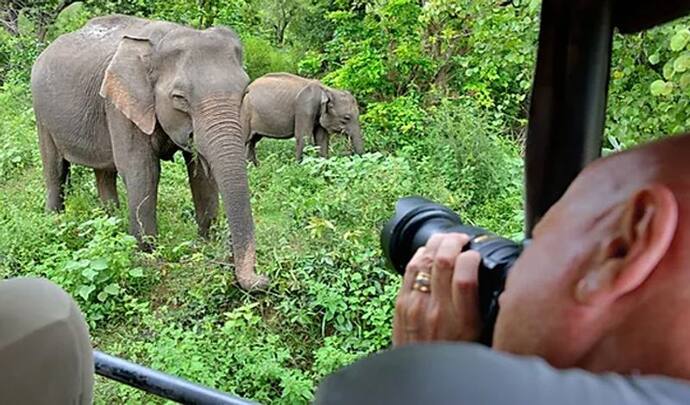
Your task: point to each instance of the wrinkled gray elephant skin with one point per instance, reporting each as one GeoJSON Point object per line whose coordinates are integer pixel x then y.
{"type": "Point", "coordinates": [121, 94]}
{"type": "Point", "coordinates": [282, 105]}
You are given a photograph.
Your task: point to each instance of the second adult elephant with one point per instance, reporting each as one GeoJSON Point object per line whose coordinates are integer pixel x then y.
{"type": "Point", "coordinates": [282, 105]}
{"type": "Point", "coordinates": [122, 93]}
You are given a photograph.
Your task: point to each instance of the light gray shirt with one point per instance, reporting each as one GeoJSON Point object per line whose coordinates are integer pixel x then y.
{"type": "Point", "coordinates": [467, 373]}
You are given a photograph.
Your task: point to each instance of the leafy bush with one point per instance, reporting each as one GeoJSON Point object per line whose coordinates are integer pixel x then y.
{"type": "Point", "coordinates": [70, 19]}
{"type": "Point", "coordinates": [392, 125]}
{"type": "Point", "coordinates": [101, 274]}
{"type": "Point", "coordinates": [17, 55]}
{"type": "Point", "coordinates": [94, 261]}
{"type": "Point", "coordinates": [647, 98]}
{"type": "Point", "coordinates": [18, 129]}
{"type": "Point", "coordinates": [261, 58]}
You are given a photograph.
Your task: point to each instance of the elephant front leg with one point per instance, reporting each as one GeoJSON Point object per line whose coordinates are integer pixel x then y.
{"type": "Point", "coordinates": [321, 139]}
{"type": "Point", "coordinates": [304, 129]}
{"type": "Point", "coordinates": [139, 167]}
{"type": "Point", "coordinates": [204, 194]}
{"type": "Point", "coordinates": [141, 180]}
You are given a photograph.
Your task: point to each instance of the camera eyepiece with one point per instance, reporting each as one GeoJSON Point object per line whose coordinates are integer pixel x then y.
{"type": "Point", "coordinates": [416, 219]}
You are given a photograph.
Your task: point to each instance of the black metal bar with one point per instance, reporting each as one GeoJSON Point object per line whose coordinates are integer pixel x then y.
{"type": "Point", "coordinates": [160, 384]}
{"type": "Point", "coordinates": [637, 15]}
{"type": "Point", "coordinates": [568, 102]}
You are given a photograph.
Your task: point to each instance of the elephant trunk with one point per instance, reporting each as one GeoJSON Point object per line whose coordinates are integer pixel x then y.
{"type": "Point", "coordinates": [356, 140]}
{"type": "Point", "coordinates": [218, 137]}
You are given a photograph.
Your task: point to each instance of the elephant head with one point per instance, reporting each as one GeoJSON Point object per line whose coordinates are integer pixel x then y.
{"type": "Point", "coordinates": [340, 114]}
{"type": "Point", "coordinates": [178, 78]}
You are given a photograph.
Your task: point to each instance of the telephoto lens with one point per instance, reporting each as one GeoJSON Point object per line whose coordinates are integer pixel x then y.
{"type": "Point", "coordinates": [416, 219]}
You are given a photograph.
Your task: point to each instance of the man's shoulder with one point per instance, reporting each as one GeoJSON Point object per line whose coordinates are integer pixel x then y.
{"type": "Point", "coordinates": [470, 373]}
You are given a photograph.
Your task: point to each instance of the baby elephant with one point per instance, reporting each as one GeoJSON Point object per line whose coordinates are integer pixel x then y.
{"type": "Point", "coordinates": [280, 105]}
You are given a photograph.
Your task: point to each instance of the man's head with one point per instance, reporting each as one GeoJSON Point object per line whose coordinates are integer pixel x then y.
{"type": "Point", "coordinates": [605, 283]}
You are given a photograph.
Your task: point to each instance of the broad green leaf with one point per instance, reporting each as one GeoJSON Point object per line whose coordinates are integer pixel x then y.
{"type": "Point", "coordinates": [112, 289]}
{"type": "Point", "coordinates": [71, 265]}
{"type": "Point", "coordinates": [137, 272]}
{"type": "Point", "coordinates": [89, 273]}
{"type": "Point", "coordinates": [685, 81]}
{"type": "Point", "coordinates": [657, 87]}
{"type": "Point", "coordinates": [668, 70]}
{"type": "Point", "coordinates": [76, 264]}
{"type": "Point", "coordinates": [654, 58]}
{"type": "Point", "coordinates": [102, 296]}
{"type": "Point", "coordinates": [682, 62]}
{"type": "Point", "coordinates": [668, 89]}
{"type": "Point", "coordinates": [679, 40]}
{"type": "Point", "coordinates": [85, 290]}
{"type": "Point", "coordinates": [99, 264]}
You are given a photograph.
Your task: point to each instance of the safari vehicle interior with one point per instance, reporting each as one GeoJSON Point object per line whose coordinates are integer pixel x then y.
{"type": "Point", "coordinates": [565, 132]}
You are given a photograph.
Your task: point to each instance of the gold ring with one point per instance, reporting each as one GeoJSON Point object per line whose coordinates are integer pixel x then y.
{"type": "Point", "coordinates": [422, 282]}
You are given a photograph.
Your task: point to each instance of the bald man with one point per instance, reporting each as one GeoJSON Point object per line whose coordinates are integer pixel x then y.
{"type": "Point", "coordinates": [595, 310]}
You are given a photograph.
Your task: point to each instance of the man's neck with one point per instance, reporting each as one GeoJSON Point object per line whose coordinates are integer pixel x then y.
{"type": "Point", "coordinates": [651, 347]}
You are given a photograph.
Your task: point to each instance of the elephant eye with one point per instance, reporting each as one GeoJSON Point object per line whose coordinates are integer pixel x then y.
{"type": "Point", "coordinates": [180, 102]}
{"type": "Point", "coordinates": [348, 117]}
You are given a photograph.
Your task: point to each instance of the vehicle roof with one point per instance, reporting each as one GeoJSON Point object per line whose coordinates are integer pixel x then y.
{"type": "Point", "coordinates": [636, 15]}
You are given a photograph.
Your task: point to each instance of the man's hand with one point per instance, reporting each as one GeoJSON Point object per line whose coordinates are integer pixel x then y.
{"type": "Point", "coordinates": [450, 310]}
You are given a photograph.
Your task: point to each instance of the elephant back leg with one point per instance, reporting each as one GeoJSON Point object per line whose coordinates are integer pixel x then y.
{"type": "Point", "coordinates": [55, 171]}
{"type": "Point", "coordinates": [251, 149]}
{"type": "Point", "coordinates": [106, 183]}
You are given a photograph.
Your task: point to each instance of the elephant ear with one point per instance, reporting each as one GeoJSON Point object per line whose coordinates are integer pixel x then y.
{"type": "Point", "coordinates": [326, 101]}
{"type": "Point", "coordinates": [127, 85]}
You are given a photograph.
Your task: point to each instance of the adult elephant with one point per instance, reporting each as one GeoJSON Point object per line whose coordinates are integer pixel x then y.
{"type": "Point", "coordinates": [122, 93]}
{"type": "Point", "coordinates": [280, 105]}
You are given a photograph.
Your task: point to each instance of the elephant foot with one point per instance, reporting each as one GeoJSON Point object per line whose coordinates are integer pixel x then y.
{"type": "Point", "coordinates": [253, 281]}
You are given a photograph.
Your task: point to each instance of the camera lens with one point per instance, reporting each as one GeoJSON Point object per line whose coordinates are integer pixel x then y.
{"type": "Point", "coordinates": [416, 219]}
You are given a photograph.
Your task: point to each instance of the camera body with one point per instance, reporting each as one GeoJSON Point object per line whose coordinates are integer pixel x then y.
{"type": "Point", "coordinates": [416, 219]}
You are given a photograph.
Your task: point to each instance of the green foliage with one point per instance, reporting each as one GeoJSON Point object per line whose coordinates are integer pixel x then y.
{"type": "Point", "coordinates": [17, 126]}
{"type": "Point", "coordinates": [261, 58]}
{"type": "Point", "coordinates": [391, 125]}
{"type": "Point", "coordinates": [17, 55]}
{"type": "Point", "coordinates": [70, 19]}
{"type": "Point", "coordinates": [100, 271]}
{"type": "Point", "coordinates": [676, 70]}
{"type": "Point", "coordinates": [648, 97]}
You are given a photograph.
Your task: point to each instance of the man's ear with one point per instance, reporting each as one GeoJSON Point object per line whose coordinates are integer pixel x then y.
{"type": "Point", "coordinates": [642, 235]}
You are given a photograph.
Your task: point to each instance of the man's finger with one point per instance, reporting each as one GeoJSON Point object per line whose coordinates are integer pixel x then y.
{"type": "Point", "coordinates": [444, 266]}
{"type": "Point", "coordinates": [421, 261]}
{"type": "Point", "coordinates": [399, 320]}
{"type": "Point", "coordinates": [433, 243]}
{"type": "Point", "coordinates": [465, 294]}
{"type": "Point", "coordinates": [415, 329]}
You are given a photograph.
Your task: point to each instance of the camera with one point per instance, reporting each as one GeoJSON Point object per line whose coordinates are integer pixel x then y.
{"type": "Point", "coordinates": [416, 219]}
